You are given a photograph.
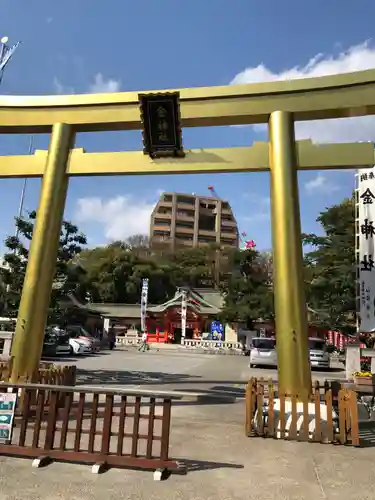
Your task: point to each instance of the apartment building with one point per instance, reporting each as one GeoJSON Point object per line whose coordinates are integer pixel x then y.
{"type": "Point", "coordinates": [190, 220]}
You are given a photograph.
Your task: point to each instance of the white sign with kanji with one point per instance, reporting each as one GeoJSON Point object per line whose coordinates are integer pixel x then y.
{"type": "Point", "coordinates": [366, 261]}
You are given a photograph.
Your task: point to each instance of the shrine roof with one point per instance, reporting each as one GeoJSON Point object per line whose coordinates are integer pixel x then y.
{"type": "Point", "coordinates": [195, 301]}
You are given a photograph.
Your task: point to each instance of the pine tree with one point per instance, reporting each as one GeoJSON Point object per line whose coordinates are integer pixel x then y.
{"type": "Point", "coordinates": [67, 274]}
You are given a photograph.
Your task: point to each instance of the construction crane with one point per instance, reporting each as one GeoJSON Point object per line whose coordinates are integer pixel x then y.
{"type": "Point", "coordinates": [242, 236]}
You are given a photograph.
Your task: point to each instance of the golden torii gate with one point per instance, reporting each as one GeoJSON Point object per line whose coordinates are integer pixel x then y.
{"type": "Point", "coordinates": [278, 103]}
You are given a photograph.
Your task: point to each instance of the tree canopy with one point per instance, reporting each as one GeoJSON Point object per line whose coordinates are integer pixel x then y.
{"type": "Point", "coordinates": [248, 294]}
{"type": "Point", "coordinates": [330, 267]}
{"type": "Point", "coordinates": [114, 273]}
{"type": "Point", "coordinates": [67, 275]}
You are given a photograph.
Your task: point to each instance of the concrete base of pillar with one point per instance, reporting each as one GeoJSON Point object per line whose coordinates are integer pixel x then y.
{"type": "Point", "coordinates": [300, 418]}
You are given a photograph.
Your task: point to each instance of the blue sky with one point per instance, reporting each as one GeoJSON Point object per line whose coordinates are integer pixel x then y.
{"type": "Point", "coordinates": [85, 46]}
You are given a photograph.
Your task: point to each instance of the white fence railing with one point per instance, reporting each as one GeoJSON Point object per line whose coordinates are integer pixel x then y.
{"type": "Point", "coordinates": [211, 344]}
{"type": "Point", "coordinates": [5, 344]}
{"type": "Point", "coordinates": [188, 343]}
{"type": "Point", "coordinates": [127, 341]}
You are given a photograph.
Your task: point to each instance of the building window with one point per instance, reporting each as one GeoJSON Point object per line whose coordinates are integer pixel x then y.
{"type": "Point", "coordinates": [184, 237]}
{"type": "Point", "coordinates": [164, 210]}
{"type": "Point", "coordinates": [229, 230]}
{"type": "Point", "coordinates": [206, 239]}
{"type": "Point", "coordinates": [167, 197]}
{"type": "Point", "coordinates": [161, 222]}
{"type": "Point", "coordinates": [207, 222]}
{"type": "Point", "coordinates": [227, 241]}
{"type": "Point", "coordinates": [185, 213]}
{"type": "Point", "coordinates": [185, 223]}
{"type": "Point", "coordinates": [186, 199]}
{"type": "Point", "coordinates": [205, 205]}
{"type": "Point", "coordinates": [162, 234]}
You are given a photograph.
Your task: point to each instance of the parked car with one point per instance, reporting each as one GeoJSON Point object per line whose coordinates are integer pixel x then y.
{"type": "Point", "coordinates": [49, 345]}
{"type": "Point", "coordinates": [56, 342]}
{"type": "Point", "coordinates": [263, 353]}
{"type": "Point", "coordinates": [319, 355]}
{"type": "Point", "coordinates": [79, 334]}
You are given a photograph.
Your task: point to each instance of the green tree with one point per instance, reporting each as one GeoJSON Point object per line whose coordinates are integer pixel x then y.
{"type": "Point", "coordinates": [330, 267]}
{"type": "Point", "coordinates": [114, 273]}
{"type": "Point", "coordinates": [67, 273]}
{"type": "Point", "coordinates": [247, 293]}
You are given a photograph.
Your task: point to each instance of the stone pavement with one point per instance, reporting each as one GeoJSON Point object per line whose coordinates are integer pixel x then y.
{"type": "Point", "coordinates": [222, 462]}
{"type": "Point", "coordinates": [172, 370]}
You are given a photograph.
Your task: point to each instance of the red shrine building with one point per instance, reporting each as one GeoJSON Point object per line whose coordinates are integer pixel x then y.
{"type": "Point", "coordinates": [163, 321]}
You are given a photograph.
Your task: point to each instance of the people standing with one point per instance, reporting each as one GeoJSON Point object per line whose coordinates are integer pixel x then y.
{"type": "Point", "coordinates": [112, 338]}
{"type": "Point", "coordinates": [219, 337]}
{"type": "Point", "coordinates": [144, 345]}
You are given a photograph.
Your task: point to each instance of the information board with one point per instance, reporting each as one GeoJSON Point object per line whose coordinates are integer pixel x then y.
{"type": "Point", "coordinates": [7, 408]}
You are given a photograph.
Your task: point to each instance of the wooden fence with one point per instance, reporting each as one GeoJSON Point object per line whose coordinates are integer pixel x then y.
{"type": "Point", "coordinates": [48, 373]}
{"type": "Point", "coordinates": [104, 427]}
{"type": "Point", "coordinates": [328, 416]}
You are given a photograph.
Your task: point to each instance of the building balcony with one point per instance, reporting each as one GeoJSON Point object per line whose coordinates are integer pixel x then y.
{"type": "Point", "coordinates": [228, 222]}
{"type": "Point", "coordinates": [162, 228]}
{"type": "Point", "coordinates": [204, 232]}
{"type": "Point", "coordinates": [229, 236]}
{"type": "Point", "coordinates": [184, 230]}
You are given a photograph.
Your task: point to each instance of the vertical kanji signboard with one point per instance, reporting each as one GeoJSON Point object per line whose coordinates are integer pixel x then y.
{"type": "Point", "coordinates": [366, 251]}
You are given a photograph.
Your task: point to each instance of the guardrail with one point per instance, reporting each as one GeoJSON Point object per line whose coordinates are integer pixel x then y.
{"type": "Point", "coordinates": [330, 415]}
{"type": "Point", "coordinates": [97, 426]}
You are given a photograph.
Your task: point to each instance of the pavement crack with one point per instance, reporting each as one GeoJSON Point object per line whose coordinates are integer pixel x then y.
{"type": "Point", "coordinates": [317, 476]}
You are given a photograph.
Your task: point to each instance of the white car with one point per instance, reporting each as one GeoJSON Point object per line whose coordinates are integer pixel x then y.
{"type": "Point", "coordinates": [263, 352]}
{"type": "Point", "coordinates": [80, 346]}
{"type": "Point", "coordinates": [80, 334]}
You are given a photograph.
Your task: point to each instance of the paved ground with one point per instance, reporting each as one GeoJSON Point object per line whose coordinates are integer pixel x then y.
{"type": "Point", "coordinates": [223, 465]}
{"type": "Point", "coordinates": [222, 462]}
{"type": "Point", "coordinates": [176, 370]}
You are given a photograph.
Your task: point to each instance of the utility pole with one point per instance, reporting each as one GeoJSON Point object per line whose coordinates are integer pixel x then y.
{"type": "Point", "coordinates": [6, 54]}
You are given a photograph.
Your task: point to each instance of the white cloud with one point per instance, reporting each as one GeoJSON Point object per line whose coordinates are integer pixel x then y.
{"type": "Point", "coordinates": [118, 217]}
{"type": "Point", "coordinates": [99, 86]}
{"type": "Point", "coordinates": [102, 85]}
{"type": "Point", "coordinates": [60, 88]}
{"type": "Point", "coordinates": [320, 184]}
{"type": "Point", "coordinates": [356, 58]}
{"type": "Point", "coordinates": [258, 209]}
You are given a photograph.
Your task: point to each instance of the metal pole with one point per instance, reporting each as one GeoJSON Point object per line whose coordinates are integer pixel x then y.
{"type": "Point", "coordinates": [32, 313]}
{"type": "Point", "coordinates": [289, 291]}
{"type": "Point", "coordinates": [2, 50]}
{"type": "Point", "coordinates": [23, 192]}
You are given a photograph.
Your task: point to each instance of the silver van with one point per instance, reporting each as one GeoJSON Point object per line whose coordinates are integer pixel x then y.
{"type": "Point", "coordinates": [319, 356]}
